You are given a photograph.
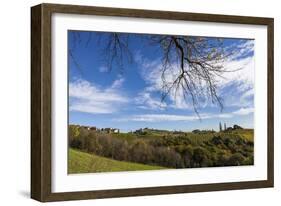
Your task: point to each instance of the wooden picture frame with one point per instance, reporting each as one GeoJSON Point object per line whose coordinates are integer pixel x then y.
{"type": "Point", "coordinates": [41, 97]}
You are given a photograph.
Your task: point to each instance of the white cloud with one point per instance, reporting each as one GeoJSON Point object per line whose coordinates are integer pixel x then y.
{"type": "Point", "coordinates": [237, 96]}
{"type": "Point", "coordinates": [240, 73]}
{"type": "Point", "coordinates": [244, 111]}
{"type": "Point", "coordinates": [144, 100]}
{"type": "Point", "coordinates": [89, 98]}
{"type": "Point", "coordinates": [117, 83]}
{"type": "Point", "coordinates": [245, 72]}
{"type": "Point", "coordinates": [160, 117]}
{"type": "Point", "coordinates": [237, 89]}
{"type": "Point", "coordinates": [242, 49]}
{"type": "Point", "coordinates": [151, 72]}
{"type": "Point", "coordinates": [173, 118]}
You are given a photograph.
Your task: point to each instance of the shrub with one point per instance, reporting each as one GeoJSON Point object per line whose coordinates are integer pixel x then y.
{"type": "Point", "coordinates": [236, 160]}
{"type": "Point", "coordinates": [76, 143]}
{"type": "Point", "coordinates": [123, 151]}
{"type": "Point", "coordinates": [201, 157]}
{"type": "Point", "coordinates": [222, 159]}
{"type": "Point", "coordinates": [73, 132]}
{"type": "Point", "coordinates": [216, 140]}
{"type": "Point", "coordinates": [187, 156]}
{"type": "Point", "coordinates": [249, 160]}
{"type": "Point", "coordinates": [140, 152]}
{"type": "Point", "coordinates": [94, 145]}
{"type": "Point", "coordinates": [167, 157]}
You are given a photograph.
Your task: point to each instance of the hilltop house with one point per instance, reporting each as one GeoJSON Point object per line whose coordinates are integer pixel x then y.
{"type": "Point", "coordinates": [110, 130]}
{"type": "Point", "coordinates": [103, 130]}
{"type": "Point", "coordinates": [115, 130]}
{"type": "Point", "coordinates": [89, 128]}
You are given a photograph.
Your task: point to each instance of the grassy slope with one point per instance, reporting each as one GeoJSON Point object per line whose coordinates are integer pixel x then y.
{"type": "Point", "coordinates": [81, 162]}
{"type": "Point", "coordinates": [248, 134]}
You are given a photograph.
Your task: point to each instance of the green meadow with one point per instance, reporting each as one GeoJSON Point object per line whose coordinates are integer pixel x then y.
{"type": "Point", "coordinates": [82, 162]}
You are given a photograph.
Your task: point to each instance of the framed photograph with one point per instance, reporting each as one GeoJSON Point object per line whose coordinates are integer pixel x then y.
{"type": "Point", "coordinates": [132, 102]}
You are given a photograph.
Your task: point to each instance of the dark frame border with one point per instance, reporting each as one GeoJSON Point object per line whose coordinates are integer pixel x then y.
{"type": "Point", "coordinates": [41, 101]}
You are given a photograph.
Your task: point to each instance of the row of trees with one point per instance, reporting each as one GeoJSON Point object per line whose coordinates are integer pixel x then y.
{"type": "Point", "coordinates": [172, 151]}
{"type": "Point", "coordinates": [137, 151]}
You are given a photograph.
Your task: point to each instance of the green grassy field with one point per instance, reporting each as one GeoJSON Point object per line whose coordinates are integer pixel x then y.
{"type": "Point", "coordinates": [81, 162]}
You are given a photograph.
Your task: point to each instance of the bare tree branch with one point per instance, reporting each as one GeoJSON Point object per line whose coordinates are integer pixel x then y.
{"type": "Point", "coordinates": [190, 65]}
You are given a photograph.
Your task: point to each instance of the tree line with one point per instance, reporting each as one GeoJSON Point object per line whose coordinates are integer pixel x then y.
{"type": "Point", "coordinates": [172, 151]}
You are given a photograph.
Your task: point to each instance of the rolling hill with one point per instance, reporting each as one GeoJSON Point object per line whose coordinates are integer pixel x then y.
{"type": "Point", "coordinates": [81, 162]}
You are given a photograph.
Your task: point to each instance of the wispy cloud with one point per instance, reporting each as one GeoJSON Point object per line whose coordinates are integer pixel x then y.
{"type": "Point", "coordinates": [144, 100]}
{"type": "Point", "coordinates": [89, 98]}
{"type": "Point", "coordinates": [244, 111]}
{"type": "Point", "coordinates": [240, 77]}
{"type": "Point", "coordinates": [103, 69]}
{"type": "Point", "coordinates": [173, 118]}
{"type": "Point", "coordinates": [241, 49]}
{"type": "Point", "coordinates": [117, 83]}
{"type": "Point", "coordinates": [244, 73]}
{"type": "Point", "coordinates": [151, 72]}
{"type": "Point", "coordinates": [238, 94]}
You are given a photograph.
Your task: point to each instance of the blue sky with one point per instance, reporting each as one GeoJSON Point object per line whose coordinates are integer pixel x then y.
{"type": "Point", "coordinates": [129, 98]}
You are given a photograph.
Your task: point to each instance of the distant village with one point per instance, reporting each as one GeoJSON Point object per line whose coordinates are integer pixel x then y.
{"type": "Point", "coordinates": [110, 130]}
{"type": "Point", "coordinates": [107, 130]}
{"type": "Point", "coordinates": [221, 129]}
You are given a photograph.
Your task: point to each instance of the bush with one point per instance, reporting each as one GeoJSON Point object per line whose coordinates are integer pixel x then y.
{"type": "Point", "coordinates": [121, 150]}
{"type": "Point", "coordinates": [201, 157]}
{"type": "Point", "coordinates": [188, 156]}
{"type": "Point", "coordinates": [76, 143]}
{"type": "Point", "coordinates": [94, 145]}
{"type": "Point", "coordinates": [236, 160]}
{"type": "Point", "coordinates": [167, 157]}
{"type": "Point", "coordinates": [222, 159]}
{"type": "Point", "coordinates": [217, 140]}
{"type": "Point", "coordinates": [140, 152]}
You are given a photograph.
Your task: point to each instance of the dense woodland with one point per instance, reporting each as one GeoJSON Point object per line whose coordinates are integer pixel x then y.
{"type": "Point", "coordinates": [169, 149]}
